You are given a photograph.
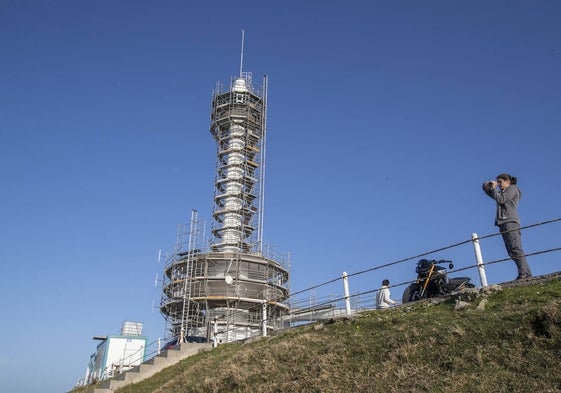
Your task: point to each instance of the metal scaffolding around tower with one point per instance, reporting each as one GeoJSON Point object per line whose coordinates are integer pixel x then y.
{"type": "Point", "coordinates": [238, 127]}
{"type": "Point", "coordinates": [179, 282]}
{"type": "Point", "coordinates": [233, 290]}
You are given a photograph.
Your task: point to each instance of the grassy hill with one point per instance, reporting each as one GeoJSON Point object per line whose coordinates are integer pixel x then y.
{"type": "Point", "coordinates": [504, 339]}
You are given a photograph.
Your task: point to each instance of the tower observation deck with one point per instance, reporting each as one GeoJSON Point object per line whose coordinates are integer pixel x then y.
{"type": "Point", "coordinates": [233, 290]}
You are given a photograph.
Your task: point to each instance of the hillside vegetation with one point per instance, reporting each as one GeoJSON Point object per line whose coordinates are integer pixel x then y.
{"type": "Point", "coordinates": [504, 339]}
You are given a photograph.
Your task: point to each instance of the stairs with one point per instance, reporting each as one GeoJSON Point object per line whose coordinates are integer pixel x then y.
{"type": "Point", "coordinates": [147, 369]}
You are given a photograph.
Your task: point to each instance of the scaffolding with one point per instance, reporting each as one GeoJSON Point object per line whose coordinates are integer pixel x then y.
{"type": "Point", "coordinates": [233, 290]}
{"type": "Point", "coordinates": [238, 127]}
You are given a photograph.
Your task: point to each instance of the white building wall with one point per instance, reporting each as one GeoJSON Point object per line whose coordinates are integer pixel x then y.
{"type": "Point", "coordinates": [117, 354]}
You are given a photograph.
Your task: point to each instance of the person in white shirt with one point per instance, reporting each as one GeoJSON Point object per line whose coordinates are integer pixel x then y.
{"type": "Point", "coordinates": [383, 299]}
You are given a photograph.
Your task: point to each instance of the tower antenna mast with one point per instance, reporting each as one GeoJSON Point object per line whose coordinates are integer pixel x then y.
{"type": "Point", "coordinates": [241, 56]}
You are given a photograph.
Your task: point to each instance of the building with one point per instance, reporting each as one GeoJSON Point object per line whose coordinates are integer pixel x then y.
{"type": "Point", "coordinates": [116, 353]}
{"type": "Point", "coordinates": [233, 288]}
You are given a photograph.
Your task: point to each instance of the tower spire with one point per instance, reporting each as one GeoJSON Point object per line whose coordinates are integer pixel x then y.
{"type": "Point", "coordinates": [241, 55]}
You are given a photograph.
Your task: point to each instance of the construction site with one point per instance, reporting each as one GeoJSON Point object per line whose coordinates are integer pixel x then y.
{"type": "Point", "coordinates": [231, 286]}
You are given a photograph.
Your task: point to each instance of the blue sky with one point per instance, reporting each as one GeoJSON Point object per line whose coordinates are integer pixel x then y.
{"type": "Point", "coordinates": [384, 119]}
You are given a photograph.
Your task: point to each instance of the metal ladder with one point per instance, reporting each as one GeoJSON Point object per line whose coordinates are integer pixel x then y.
{"type": "Point", "coordinates": [189, 267]}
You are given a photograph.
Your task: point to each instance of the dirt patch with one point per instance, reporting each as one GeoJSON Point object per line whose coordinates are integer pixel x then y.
{"type": "Point", "coordinates": [548, 321]}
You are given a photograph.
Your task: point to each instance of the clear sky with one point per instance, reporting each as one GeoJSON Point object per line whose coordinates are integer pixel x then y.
{"type": "Point", "coordinates": [384, 120]}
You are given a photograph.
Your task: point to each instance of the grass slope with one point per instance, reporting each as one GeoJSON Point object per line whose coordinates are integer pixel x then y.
{"type": "Point", "coordinates": [512, 345]}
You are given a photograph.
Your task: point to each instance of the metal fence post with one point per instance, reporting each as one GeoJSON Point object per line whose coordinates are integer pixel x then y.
{"type": "Point", "coordinates": [215, 333]}
{"type": "Point", "coordinates": [346, 291]}
{"type": "Point", "coordinates": [264, 319]}
{"type": "Point", "coordinates": [479, 259]}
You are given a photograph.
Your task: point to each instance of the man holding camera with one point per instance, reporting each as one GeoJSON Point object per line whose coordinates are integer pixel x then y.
{"type": "Point", "coordinates": [507, 195]}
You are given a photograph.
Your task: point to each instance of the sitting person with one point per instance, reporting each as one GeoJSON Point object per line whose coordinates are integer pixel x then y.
{"type": "Point", "coordinates": [383, 299]}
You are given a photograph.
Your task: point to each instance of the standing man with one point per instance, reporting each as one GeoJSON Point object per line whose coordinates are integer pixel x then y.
{"type": "Point", "coordinates": [507, 195]}
{"type": "Point", "coordinates": [383, 299]}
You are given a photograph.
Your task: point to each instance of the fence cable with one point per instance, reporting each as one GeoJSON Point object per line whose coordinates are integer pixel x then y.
{"type": "Point", "coordinates": [331, 301]}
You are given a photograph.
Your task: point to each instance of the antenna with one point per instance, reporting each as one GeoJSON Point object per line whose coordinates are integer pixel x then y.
{"type": "Point", "coordinates": [241, 56]}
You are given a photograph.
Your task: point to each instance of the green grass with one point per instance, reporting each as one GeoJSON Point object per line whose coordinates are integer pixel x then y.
{"type": "Point", "coordinates": [513, 345]}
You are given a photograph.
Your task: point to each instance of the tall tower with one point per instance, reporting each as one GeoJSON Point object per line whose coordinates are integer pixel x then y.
{"type": "Point", "coordinates": [235, 289]}
{"type": "Point", "coordinates": [238, 126]}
